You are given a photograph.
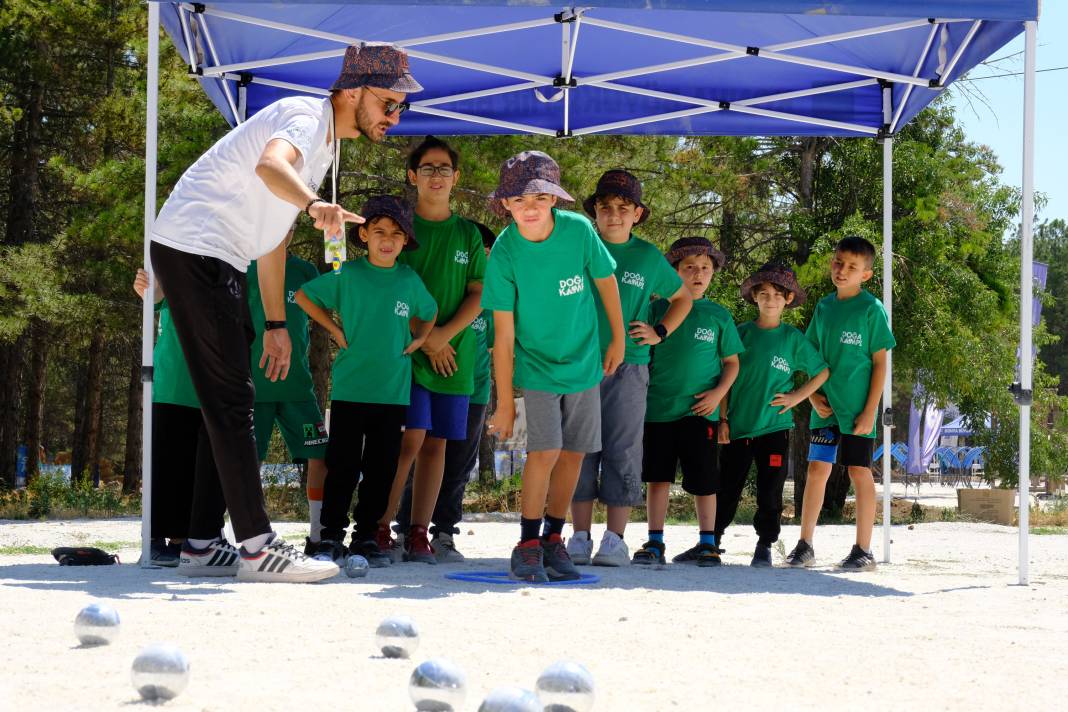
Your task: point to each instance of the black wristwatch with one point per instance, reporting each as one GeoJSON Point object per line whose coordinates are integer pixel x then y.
{"type": "Point", "coordinates": [312, 202]}
{"type": "Point", "coordinates": [661, 331]}
{"type": "Point", "coordinates": [269, 325]}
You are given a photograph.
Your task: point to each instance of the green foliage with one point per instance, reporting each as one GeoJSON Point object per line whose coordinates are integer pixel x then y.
{"type": "Point", "coordinates": [50, 496]}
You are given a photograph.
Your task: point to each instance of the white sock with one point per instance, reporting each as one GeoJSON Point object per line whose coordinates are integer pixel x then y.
{"type": "Point", "coordinates": [198, 543]}
{"type": "Point", "coordinates": [256, 543]}
{"type": "Point", "coordinates": [315, 513]}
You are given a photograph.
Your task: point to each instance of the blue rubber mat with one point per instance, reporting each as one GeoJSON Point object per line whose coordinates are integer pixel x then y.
{"type": "Point", "coordinates": [501, 577]}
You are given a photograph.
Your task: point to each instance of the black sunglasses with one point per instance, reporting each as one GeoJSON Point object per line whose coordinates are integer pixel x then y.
{"type": "Point", "coordinates": [391, 107]}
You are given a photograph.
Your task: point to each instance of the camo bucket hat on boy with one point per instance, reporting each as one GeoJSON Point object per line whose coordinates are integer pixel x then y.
{"type": "Point", "coordinates": [620, 183]}
{"type": "Point", "coordinates": [778, 274]}
{"type": "Point", "coordinates": [686, 246]}
{"type": "Point", "coordinates": [386, 206]}
{"type": "Point", "coordinates": [376, 65]}
{"type": "Point", "coordinates": [525, 173]}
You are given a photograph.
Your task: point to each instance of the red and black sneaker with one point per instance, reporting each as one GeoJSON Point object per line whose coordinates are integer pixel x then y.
{"type": "Point", "coordinates": [556, 560]}
{"type": "Point", "coordinates": [528, 562]}
{"type": "Point", "coordinates": [417, 546]}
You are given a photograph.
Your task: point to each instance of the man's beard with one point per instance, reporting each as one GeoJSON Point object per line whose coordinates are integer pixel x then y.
{"type": "Point", "coordinates": [365, 125]}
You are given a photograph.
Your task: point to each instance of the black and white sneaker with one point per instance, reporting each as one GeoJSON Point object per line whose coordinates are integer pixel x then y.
{"type": "Point", "coordinates": [219, 558]}
{"type": "Point", "coordinates": [761, 557]}
{"type": "Point", "coordinates": [802, 556]}
{"type": "Point", "coordinates": [281, 562]}
{"type": "Point", "coordinates": [329, 550]}
{"type": "Point", "coordinates": [858, 560]}
{"type": "Point", "coordinates": [368, 549]}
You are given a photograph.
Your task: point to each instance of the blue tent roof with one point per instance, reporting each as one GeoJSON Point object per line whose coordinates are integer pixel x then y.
{"type": "Point", "coordinates": [734, 67]}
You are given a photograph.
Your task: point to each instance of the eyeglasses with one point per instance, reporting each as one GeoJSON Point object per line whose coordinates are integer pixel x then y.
{"type": "Point", "coordinates": [391, 107]}
{"type": "Point", "coordinates": [429, 169]}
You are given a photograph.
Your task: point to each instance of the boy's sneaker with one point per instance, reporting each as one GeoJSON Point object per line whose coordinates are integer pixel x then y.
{"type": "Point", "coordinates": [417, 547]}
{"type": "Point", "coordinates": [281, 562]}
{"type": "Point", "coordinates": [163, 554]}
{"type": "Point", "coordinates": [386, 543]}
{"type": "Point", "coordinates": [528, 562]}
{"type": "Point", "coordinates": [689, 556]}
{"type": "Point", "coordinates": [651, 553]}
{"type": "Point", "coordinates": [858, 560]}
{"type": "Point", "coordinates": [219, 558]}
{"type": "Point", "coordinates": [761, 557]}
{"type": "Point", "coordinates": [328, 550]}
{"type": "Point", "coordinates": [368, 549]}
{"type": "Point", "coordinates": [708, 555]}
{"type": "Point", "coordinates": [557, 563]}
{"type": "Point", "coordinates": [580, 548]}
{"type": "Point", "coordinates": [613, 551]}
{"type": "Point", "coordinates": [310, 547]}
{"type": "Point", "coordinates": [445, 549]}
{"type": "Point", "coordinates": [803, 555]}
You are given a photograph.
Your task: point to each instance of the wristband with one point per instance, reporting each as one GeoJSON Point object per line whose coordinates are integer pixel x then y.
{"type": "Point", "coordinates": [269, 325]}
{"type": "Point", "coordinates": [312, 202]}
{"type": "Point", "coordinates": [661, 331]}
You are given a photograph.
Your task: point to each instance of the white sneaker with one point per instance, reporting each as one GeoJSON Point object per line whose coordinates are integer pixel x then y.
{"type": "Point", "coordinates": [612, 551]}
{"type": "Point", "coordinates": [219, 558]}
{"type": "Point", "coordinates": [281, 562]}
{"type": "Point", "coordinates": [445, 549]}
{"type": "Point", "coordinates": [580, 548]}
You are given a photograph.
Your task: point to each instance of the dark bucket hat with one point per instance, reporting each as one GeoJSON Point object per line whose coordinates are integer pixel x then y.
{"type": "Point", "coordinates": [387, 206]}
{"type": "Point", "coordinates": [775, 273]}
{"type": "Point", "coordinates": [525, 173]}
{"type": "Point", "coordinates": [621, 183]}
{"type": "Point", "coordinates": [686, 246]}
{"type": "Point", "coordinates": [376, 65]}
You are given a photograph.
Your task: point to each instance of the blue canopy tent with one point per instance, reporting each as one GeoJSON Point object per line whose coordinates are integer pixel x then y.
{"type": "Point", "coordinates": [859, 68]}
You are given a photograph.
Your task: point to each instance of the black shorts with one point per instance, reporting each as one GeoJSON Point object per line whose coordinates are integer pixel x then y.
{"type": "Point", "coordinates": [830, 445]}
{"type": "Point", "coordinates": [689, 442]}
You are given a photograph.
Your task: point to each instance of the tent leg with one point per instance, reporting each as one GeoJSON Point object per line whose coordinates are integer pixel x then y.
{"type": "Point", "coordinates": [147, 307]}
{"type": "Point", "coordinates": [1026, 288]}
{"type": "Point", "coordinates": [888, 296]}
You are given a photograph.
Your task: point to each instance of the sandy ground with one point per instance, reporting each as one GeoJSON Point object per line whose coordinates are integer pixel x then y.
{"type": "Point", "coordinates": [943, 627]}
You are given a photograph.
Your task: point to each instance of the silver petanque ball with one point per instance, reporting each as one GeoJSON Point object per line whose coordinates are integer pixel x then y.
{"type": "Point", "coordinates": [356, 566]}
{"type": "Point", "coordinates": [96, 624]}
{"type": "Point", "coordinates": [397, 637]}
{"type": "Point", "coordinates": [565, 686]}
{"type": "Point", "coordinates": [160, 672]}
{"type": "Point", "coordinates": [511, 699]}
{"type": "Point", "coordinates": [437, 685]}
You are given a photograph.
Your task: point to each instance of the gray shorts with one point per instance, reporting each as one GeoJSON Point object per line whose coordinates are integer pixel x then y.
{"type": "Point", "coordinates": [558, 421]}
{"type": "Point", "coordinates": [614, 475]}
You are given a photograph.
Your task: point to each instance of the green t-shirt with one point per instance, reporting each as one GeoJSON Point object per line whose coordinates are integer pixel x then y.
{"type": "Point", "coordinates": [375, 305]}
{"type": "Point", "coordinates": [170, 380]}
{"type": "Point", "coordinates": [766, 367]}
{"type": "Point", "coordinates": [450, 256]}
{"type": "Point", "coordinates": [847, 332]}
{"type": "Point", "coordinates": [641, 272]}
{"type": "Point", "coordinates": [687, 362]}
{"type": "Point", "coordinates": [297, 385]}
{"type": "Point", "coordinates": [548, 286]}
{"type": "Point", "coordinates": [483, 328]}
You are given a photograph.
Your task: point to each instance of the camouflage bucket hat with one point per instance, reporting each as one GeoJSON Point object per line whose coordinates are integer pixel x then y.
{"type": "Point", "coordinates": [686, 246]}
{"type": "Point", "coordinates": [386, 206]}
{"type": "Point", "coordinates": [525, 173]}
{"type": "Point", "coordinates": [620, 183]}
{"type": "Point", "coordinates": [778, 274]}
{"type": "Point", "coordinates": [376, 65]}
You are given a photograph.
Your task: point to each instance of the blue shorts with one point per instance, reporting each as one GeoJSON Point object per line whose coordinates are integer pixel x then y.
{"type": "Point", "coordinates": [831, 445]}
{"type": "Point", "coordinates": [440, 414]}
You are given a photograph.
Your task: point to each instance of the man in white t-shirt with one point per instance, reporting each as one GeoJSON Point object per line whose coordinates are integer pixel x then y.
{"type": "Point", "coordinates": [232, 206]}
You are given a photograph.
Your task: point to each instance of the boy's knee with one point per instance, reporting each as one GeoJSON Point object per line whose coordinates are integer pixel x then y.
{"type": "Point", "coordinates": [861, 474]}
{"type": "Point", "coordinates": [543, 457]}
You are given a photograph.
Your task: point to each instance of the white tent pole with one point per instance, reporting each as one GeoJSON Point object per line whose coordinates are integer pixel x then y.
{"type": "Point", "coordinates": [960, 50]}
{"type": "Point", "coordinates": [915, 72]}
{"type": "Point", "coordinates": [1026, 287]}
{"type": "Point", "coordinates": [222, 82]}
{"type": "Point", "coordinates": [888, 302]}
{"type": "Point", "coordinates": [521, 128]}
{"type": "Point", "coordinates": [148, 304]}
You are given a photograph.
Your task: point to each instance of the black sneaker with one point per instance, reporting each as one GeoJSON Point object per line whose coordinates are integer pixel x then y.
{"type": "Point", "coordinates": [858, 560]}
{"type": "Point", "coordinates": [556, 560]}
{"type": "Point", "coordinates": [761, 557]}
{"type": "Point", "coordinates": [163, 554]}
{"type": "Point", "coordinates": [651, 553]}
{"type": "Point", "coordinates": [802, 556]}
{"type": "Point", "coordinates": [368, 549]}
{"type": "Point", "coordinates": [708, 555]}
{"type": "Point", "coordinates": [310, 547]}
{"type": "Point", "coordinates": [689, 556]}
{"type": "Point", "coordinates": [527, 563]}
{"type": "Point", "coordinates": [329, 550]}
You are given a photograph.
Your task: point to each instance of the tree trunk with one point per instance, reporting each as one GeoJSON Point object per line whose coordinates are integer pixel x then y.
{"type": "Point", "coordinates": [36, 370]}
{"type": "Point", "coordinates": [131, 466]}
{"type": "Point", "coordinates": [811, 149]}
{"type": "Point", "coordinates": [487, 447]}
{"type": "Point", "coordinates": [799, 454]}
{"type": "Point", "coordinates": [87, 432]}
{"type": "Point", "coordinates": [837, 491]}
{"type": "Point", "coordinates": [11, 363]}
{"type": "Point", "coordinates": [78, 454]}
{"type": "Point", "coordinates": [25, 168]}
{"type": "Point", "coordinates": [319, 362]}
